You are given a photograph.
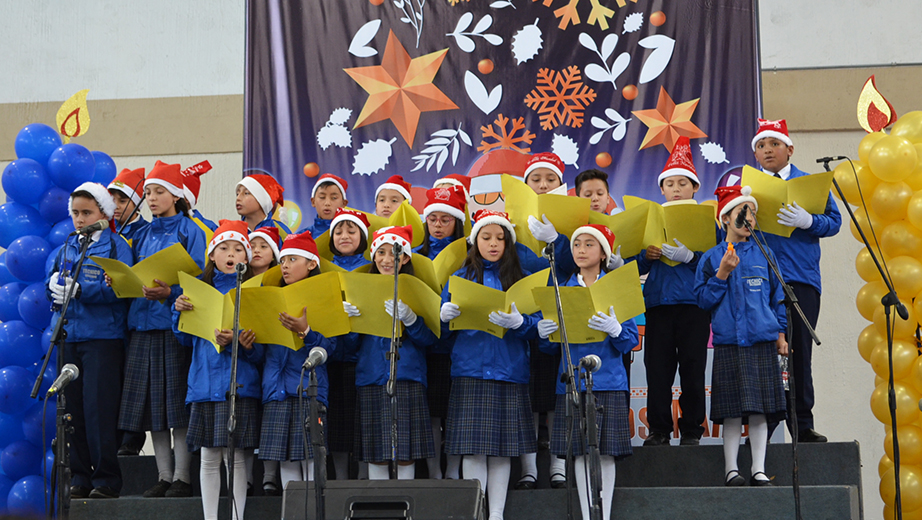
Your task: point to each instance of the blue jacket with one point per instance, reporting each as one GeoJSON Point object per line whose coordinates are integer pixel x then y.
{"type": "Point", "coordinates": [319, 227]}
{"type": "Point", "coordinates": [484, 356]}
{"type": "Point", "coordinates": [612, 375]}
{"type": "Point", "coordinates": [269, 222]}
{"type": "Point", "coordinates": [799, 256]}
{"type": "Point", "coordinates": [351, 262]}
{"type": "Point", "coordinates": [94, 313]}
{"type": "Point", "coordinates": [436, 245]}
{"type": "Point", "coordinates": [210, 224]}
{"type": "Point", "coordinates": [161, 233]}
{"type": "Point", "coordinates": [533, 263]}
{"type": "Point", "coordinates": [745, 308]}
{"type": "Point", "coordinates": [131, 229]}
{"type": "Point", "coordinates": [209, 374]}
{"type": "Point", "coordinates": [373, 366]}
{"type": "Point", "coordinates": [282, 369]}
{"type": "Point", "coordinates": [667, 285]}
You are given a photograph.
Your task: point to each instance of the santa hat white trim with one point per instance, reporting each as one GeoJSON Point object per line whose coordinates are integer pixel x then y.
{"type": "Point", "coordinates": [596, 234]}
{"type": "Point", "coordinates": [390, 238]}
{"type": "Point", "coordinates": [128, 191]}
{"type": "Point", "coordinates": [771, 133]}
{"type": "Point", "coordinates": [671, 172]}
{"type": "Point", "coordinates": [746, 197]}
{"type": "Point", "coordinates": [444, 208]}
{"type": "Point", "coordinates": [189, 196]}
{"type": "Point", "coordinates": [299, 252]}
{"type": "Point", "coordinates": [176, 191]}
{"type": "Point", "coordinates": [228, 236]}
{"type": "Point", "coordinates": [396, 187]}
{"type": "Point", "coordinates": [259, 193]}
{"type": "Point", "coordinates": [342, 217]}
{"type": "Point", "coordinates": [269, 240]}
{"type": "Point", "coordinates": [543, 164]}
{"type": "Point", "coordinates": [491, 219]}
{"type": "Point", "coordinates": [100, 194]}
{"type": "Point", "coordinates": [329, 180]}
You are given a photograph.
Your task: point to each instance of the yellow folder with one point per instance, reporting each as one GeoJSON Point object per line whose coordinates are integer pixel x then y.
{"type": "Point", "coordinates": [369, 291]}
{"type": "Point", "coordinates": [692, 224]}
{"type": "Point", "coordinates": [628, 226]}
{"type": "Point", "coordinates": [435, 272]}
{"type": "Point", "coordinates": [165, 265]}
{"type": "Point", "coordinates": [566, 213]}
{"type": "Point", "coordinates": [478, 301]}
{"type": "Point", "coordinates": [210, 309]}
{"type": "Point", "coordinates": [619, 289]}
{"type": "Point", "coordinates": [810, 192]}
{"type": "Point", "coordinates": [405, 215]}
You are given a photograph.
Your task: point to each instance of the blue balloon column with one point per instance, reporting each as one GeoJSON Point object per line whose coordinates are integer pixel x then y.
{"type": "Point", "coordinates": [33, 224]}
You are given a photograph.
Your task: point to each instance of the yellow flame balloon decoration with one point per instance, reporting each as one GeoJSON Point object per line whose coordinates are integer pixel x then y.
{"type": "Point", "coordinates": [73, 117]}
{"type": "Point", "coordinates": [874, 111]}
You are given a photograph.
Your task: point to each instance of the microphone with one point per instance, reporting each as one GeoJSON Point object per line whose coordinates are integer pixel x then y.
{"type": "Point", "coordinates": [240, 268]}
{"type": "Point", "coordinates": [68, 374]}
{"type": "Point", "coordinates": [548, 251]}
{"type": "Point", "coordinates": [822, 160]}
{"type": "Point", "coordinates": [741, 217]}
{"type": "Point", "coordinates": [592, 363]}
{"type": "Point", "coordinates": [99, 225]}
{"type": "Point", "coordinates": [317, 357]}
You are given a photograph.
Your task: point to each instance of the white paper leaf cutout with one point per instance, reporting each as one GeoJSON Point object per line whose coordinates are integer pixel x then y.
{"type": "Point", "coordinates": [463, 38]}
{"type": "Point", "coordinates": [340, 116]}
{"type": "Point", "coordinates": [603, 73]}
{"type": "Point", "coordinates": [633, 22]}
{"type": "Point", "coordinates": [359, 45]}
{"type": "Point", "coordinates": [608, 46]}
{"type": "Point", "coordinates": [566, 149]}
{"type": "Point", "coordinates": [444, 143]}
{"type": "Point", "coordinates": [618, 126]}
{"type": "Point", "coordinates": [486, 102]}
{"type": "Point", "coordinates": [483, 24]}
{"type": "Point", "coordinates": [466, 44]}
{"type": "Point", "coordinates": [595, 72]}
{"type": "Point", "coordinates": [334, 132]}
{"type": "Point", "coordinates": [656, 63]}
{"type": "Point", "coordinates": [526, 43]}
{"type": "Point", "coordinates": [464, 22]}
{"type": "Point", "coordinates": [372, 157]}
{"type": "Point", "coordinates": [502, 4]}
{"type": "Point", "coordinates": [713, 153]}
{"type": "Point", "coordinates": [586, 41]}
{"type": "Point", "coordinates": [412, 15]}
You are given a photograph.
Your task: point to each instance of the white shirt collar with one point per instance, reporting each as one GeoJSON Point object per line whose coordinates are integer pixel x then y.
{"type": "Point", "coordinates": [784, 173]}
{"type": "Point", "coordinates": [95, 236]}
{"type": "Point", "coordinates": [579, 278]}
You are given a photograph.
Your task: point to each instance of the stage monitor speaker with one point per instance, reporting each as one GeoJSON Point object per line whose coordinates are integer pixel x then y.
{"type": "Point", "coordinates": [388, 500]}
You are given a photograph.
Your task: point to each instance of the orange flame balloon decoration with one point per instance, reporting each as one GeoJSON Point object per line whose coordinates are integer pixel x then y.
{"type": "Point", "coordinates": [73, 117]}
{"type": "Point", "coordinates": [874, 111]}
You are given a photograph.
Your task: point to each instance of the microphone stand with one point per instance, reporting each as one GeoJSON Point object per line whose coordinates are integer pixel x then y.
{"type": "Point", "coordinates": [232, 396]}
{"type": "Point", "coordinates": [789, 301]}
{"type": "Point", "coordinates": [573, 401]}
{"type": "Point", "coordinates": [591, 430]}
{"type": "Point", "coordinates": [393, 355]}
{"type": "Point", "coordinates": [314, 425]}
{"type": "Point", "coordinates": [889, 301]}
{"type": "Point", "coordinates": [60, 474]}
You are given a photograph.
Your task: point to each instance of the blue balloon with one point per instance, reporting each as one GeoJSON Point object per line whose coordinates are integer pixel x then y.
{"type": "Point", "coordinates": [37, 142]}
{"type": "Point", "coordinates": [20, 344]}
{"type": "Point", "coordinates": [32, 424]}
{"type": "Point", "coordinates": [71, 165]}
{"type": "Point", "coordinates": [105, 168]}
{"type": "Point", "coordinates": [10, 429]}
{"type": "Point", "coordinates": [27, 496]}
{"type": "Point", "coordinates": [53, 205]}
{"type": "Point", "coordinates": [15, 387]}
{"type": "Point", "coordinates": [25, 258]}
{"type": "Point", "coordinates": [5, 485]}
{"type": "Point", "coordinates": [25, 181]}
{"type": "Point", "coordinates": [5, 276]}
{"type": "Point", "coordinates": [34, 306]}
{"type": "Point", "coordinates": [59, 232]}
{"type": "Point", "coordinates": [49, 464]}
{"type": "Point", "coordinates": [18, 220]}
{"type": "Point", "coordinates": [22, 458]}
{"type": "Point", "coordinates": [49, 262]}
{"type": "Point", "coordinates": [9, 300]}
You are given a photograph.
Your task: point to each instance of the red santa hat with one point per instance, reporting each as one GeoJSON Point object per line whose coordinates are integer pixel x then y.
{"type": "Point", "coordinates": [192, 185]}
{"type": "Point", "coordinates": [680, 162]}
{"type": "Point", "coordinates": [271, 235]}
{"type": "Point", "coordinates": [603, 234]}
{"type": "Point", "coordinates": [167, 175]}
{"type": "Point", "coordinates": [130, 183]}
{"type": "Point", "coordinates": [729, 197]}
{"type": "Point", "coordinates": [102, 197]}
{"type": "Point", "coordinates": [301, 244]}
{"type": "Point", "coordinates": [356, 217]}
{"type": "Point", "coordinates": [455, 179]}
{"type": "Point", "coordinates": [399, 235]}
{"type": "Point", "coordinates": [486, 216]}
{"type": "Point", "coordinates": [545, 160]}
{"type": "Point", "coordinates": [777, 129]}
{"type": "Point", "coordinates": [329, 178]}
{"type": "Point", "coordinates": [267, 191]}
{"type": "Point", "coordinates": [396, 183]}
{"type": "Point", "coordinates": [447, 200]}
{"type": "Point", "coordinates": [231, 230]}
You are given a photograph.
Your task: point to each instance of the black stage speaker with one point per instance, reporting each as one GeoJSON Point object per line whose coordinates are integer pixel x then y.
{"type": "Point", "coordinates": [388, 500]}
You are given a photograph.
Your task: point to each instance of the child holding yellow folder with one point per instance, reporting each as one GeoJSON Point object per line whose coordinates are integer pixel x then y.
{"type": "Point", "coordinates": [390, 195]}
{"type": "Point", "coordinates": [489, 411]}
{"type": "Point", "coordinates": [265, 244]}
{"type": "Point", "coordinates": [592, 251]}
{"type": "Point", "coordinates": [209, 375]}
{"type": "Point", "coordinates": [414, 434]}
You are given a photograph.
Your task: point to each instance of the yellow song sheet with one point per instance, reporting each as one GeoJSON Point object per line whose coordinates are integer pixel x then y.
{"type": "Point", "coordinates": [566, 213]}
{"type": "Point", "coordinates": [406, 215]}
{"type": "Point", "coordinates": [368, 292]}
{"type": "Point", "coordinates": [435, 272]}
{"type": "Point", "coordinates": [619, 289]}
{"type": "Point", "coordinates": [210, 309]}
{"type": "Point", "coordinates": [810, 192]}
{"type": "Point", "coordinates": [323, 246]}
{"type": "Point", "coordinates": [165, 265]}
{"type": "Point", "coordinates": [478, 301]}
{"type": "Point", "coordinates": [628, 227]}
{"type": "Point", "coordinates": [692, 224]}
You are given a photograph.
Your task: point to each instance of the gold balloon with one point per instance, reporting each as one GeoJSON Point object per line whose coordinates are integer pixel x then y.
{"type": "Point", "coordinates": [914, 210]}
{"type": "Point", "coordinates": [904, 357]}
{"type": "Point", "coordinates": [909, 126]}
{"type": "Point", "coordinates": [893, 158]}
{"type": "Point", "coordinates": [910, 488]}
{"type": "Point", "coordinates": [885, 465]}
{"type": "Point", "coordinates": [910, 438]}
{"type": "Point", "coordinates": [906, 273]}
{"type": "Point", "coordinates": [876, 223]}
{"type": "Point", "coordinates": [890, 200]}
{"type": "Point", "coordinates": [915, 378]}
{"type": "Point", "coordinates": [903, 328]}
{"type": "Point", "coordinates": [867, 340]}
{"type": "Point", "coordinates": [865, 266]}
{"type": "Point", "coordinates": [915, 178]}
{"type": "Point", "coordinates": [868, 142]}
{"type": "Point", "coordinates": [868, 298]}
{"type": "Point", "coordinates": [907, 404]}
{"type": "Point", "coordinates": [847, 180]}
{"type": "Point", "coordinates": [901, 238]}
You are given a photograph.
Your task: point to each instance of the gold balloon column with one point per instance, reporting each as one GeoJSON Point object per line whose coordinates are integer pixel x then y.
{"type": "Point", "coordinates": [889, 172]}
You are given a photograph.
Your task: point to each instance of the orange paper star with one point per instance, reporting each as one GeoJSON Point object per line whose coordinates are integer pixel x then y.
{"type": "Point", "coordinates": [401, 88]}
{"type": "Point", "coordinates": [668, 121]}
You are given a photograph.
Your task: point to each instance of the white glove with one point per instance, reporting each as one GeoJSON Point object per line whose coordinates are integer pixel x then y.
{"type": "Point", "coordinates": [615, 261]}
{"type": "Point", "coordinates": [546, 328]}
{"type": "Point", "coordinates": [351, 310]}
{"type": "Point", "coordinates": [57, 290]}
{"type": "Point", "coordinates": [795, 216]}
{"type": "Point", "coordinates": [678, 252]}
{"type": "Point", "coordinates": [507, 320]}
{"type": "Point", "coordinates": [404, 312]}
{"type": "Point", "coordinates": [449, 311]}
{"type": "Point", "coordinates": [607, 323]}
{"type": "Point", "coordinates": [542, 231]}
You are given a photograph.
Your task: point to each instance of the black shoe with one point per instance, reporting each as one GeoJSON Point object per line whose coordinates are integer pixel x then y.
{"type": "Point", "coordinates": [810, 435]}
{"type": "Point", "coordinates": [79, 492]}
{"type": "Point", "coordinates": [689, 440]}
{"type": "Point", "coordinates": [249, 489]}
{"type": "Point", "coordinates": [179, 489]}
{"type": "Point", "coordinates": [657, 439]}
{"type": "Point", "coordinates": [526, 482]}
{"type": "Point", "coordinates": [755, 482]}
{"type": "Point", "coordinates": [735, 481]}
{"type": "Point", "coordinates": [103, 492]}
{"type": "Point", "coordinates": [159, 490]}
{"type": "Point", "coordinates": [271, 490]}
{"type": "Point", "coordinates": [128, 450]}
{"type": "Point", "coordinates": [558, 481]}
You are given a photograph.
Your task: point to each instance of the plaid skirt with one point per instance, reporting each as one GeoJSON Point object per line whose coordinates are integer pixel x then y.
{"type": "Point", "coordinates": [612, 418]}
{"type": "Point", "coordinates": [746, 381]}
{"type": "Point", "coordinates": [488, 417]}
{"type": "Point", "coordinates": [438, 389]}
{"type": "Point", "coordinates": [341, 413]}
{"type": "Point", "coordinates": [208, 424]}
{"type": "Point", "coordinates": [543, 384]}
{"type": "Point", "coordinates": [156, 376]}
{"type": "Point", "coordinates": [414, 430]}
{"type": "Point", "coordinates": [282, 434]}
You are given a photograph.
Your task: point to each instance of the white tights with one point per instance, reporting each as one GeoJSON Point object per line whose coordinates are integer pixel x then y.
{"type": "Point", "coordinates": [296, 470]}
{"type": "Point", "coordinates": [383, 471]}
{"type": "Point", "coordinates": [608, 484]}
{"type": "Point", "coordinates": [163, 454]}
{"type": "Point", "coordinates": [493, 474]}
{"type": "Point", "coordinates": [210, 481]}
{"type": "Point", "coordinates": [758, 443]}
